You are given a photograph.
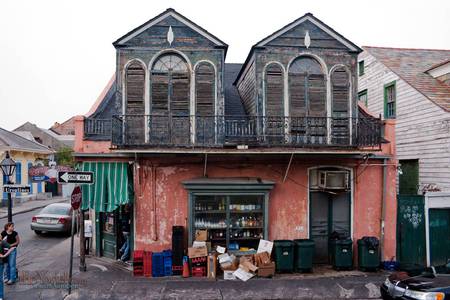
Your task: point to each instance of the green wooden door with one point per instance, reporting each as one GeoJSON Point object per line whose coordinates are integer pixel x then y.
{"type": "Point", "coordinates": [411, 230]}
{"type": "Point", "coordinates": [108, 235]}
{"type": "Point", "coordinates": [439, 226]}
{"type": "Point", "coordinates": [409, 179]}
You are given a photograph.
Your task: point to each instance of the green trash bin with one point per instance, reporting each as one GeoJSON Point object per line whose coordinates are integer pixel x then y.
{"type": "Point", "coordinates": [284, 255]}
{"type": "Point", "coordinates": [368, 254]}
{"type": "Point", "coordinates": [304, 253]}
{"type": "Point", "coordinates": [341, 254]}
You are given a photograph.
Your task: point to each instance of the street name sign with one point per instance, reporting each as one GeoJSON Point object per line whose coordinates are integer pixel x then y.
{"type": "Point", "coordinates": [76, 177]}
{"type": "Point", "coordinates": [16, 188]}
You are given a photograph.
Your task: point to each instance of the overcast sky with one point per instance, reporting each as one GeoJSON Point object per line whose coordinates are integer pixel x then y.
{"type": "Point", "coordinates": [56, 56]}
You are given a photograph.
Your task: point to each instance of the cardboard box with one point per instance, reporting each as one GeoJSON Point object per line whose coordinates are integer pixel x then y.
{"type": "Point", "coordinates": [228, 275]}
{"type": "Point", "coordinates": [266, 270]}
{"type": "Point", "coordinates": [212, 266]}
{"type": "Point", "coordinates": [199, 244]}
{"type": "Point", "coordinates": [262, 259]}
{"type": "Point", "coordinates": [197, 252]}
{"type": "Point", "coordinates": [242, 274]}
{"type": "Point", "coordinates": [265, 246]}
{"type": "Point", "coordinates": [221, 249]}
{"type": "Point", "coordinates": [201, 235]}
{"type": "Point", "coordinates": [248, 266]}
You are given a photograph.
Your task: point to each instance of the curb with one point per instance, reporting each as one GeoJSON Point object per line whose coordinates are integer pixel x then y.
{"type": "Point", "coordinates": [30, 209]}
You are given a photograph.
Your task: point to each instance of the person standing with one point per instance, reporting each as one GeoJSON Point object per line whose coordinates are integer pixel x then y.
{"type": "Point", "coordinates": [4, 255]}
{"type": "Point", "coordinates": [12, 238]}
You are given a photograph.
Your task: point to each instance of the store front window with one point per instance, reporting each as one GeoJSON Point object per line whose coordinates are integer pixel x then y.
{"type": "Point", "coordinates": [234, 217]}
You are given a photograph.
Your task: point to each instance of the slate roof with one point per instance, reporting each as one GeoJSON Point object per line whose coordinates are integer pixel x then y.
{"type": "Point", "coordinates": [12, 141]}
{"type": "Point", "coordinates": [411, 66]}
{"type": "Point", "coordinates": [233, 102]}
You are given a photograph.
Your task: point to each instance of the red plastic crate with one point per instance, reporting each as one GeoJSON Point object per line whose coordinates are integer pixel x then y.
{"type": "Point", "coordinates": [138, 261]}
{"type": "Point", "coordinates": [147, 263]}
{"type": "Point", "coordinates": [198, 271]}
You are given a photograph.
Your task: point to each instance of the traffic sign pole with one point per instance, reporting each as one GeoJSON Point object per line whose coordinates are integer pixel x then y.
{"type": "Point", "coordinates": [71, 251]}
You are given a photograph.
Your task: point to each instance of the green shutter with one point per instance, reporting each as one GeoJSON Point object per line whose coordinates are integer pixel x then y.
{"type": "Point", "coordinates": [111, 186]}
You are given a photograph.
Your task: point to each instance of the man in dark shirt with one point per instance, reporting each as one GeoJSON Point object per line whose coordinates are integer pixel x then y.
{"type": "Point", "coordinates": [12, 238]}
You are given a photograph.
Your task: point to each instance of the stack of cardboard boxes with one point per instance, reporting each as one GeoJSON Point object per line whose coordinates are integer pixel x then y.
{"type": "Point", "coordinates": [241, 265]}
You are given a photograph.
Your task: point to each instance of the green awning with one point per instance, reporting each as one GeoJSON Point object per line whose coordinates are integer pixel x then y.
{"type": "Point", "coordinates": [112, 186]}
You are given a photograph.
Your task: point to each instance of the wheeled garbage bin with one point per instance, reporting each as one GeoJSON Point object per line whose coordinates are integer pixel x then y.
{"type": "Point", "coordinates": [368, 253]}
{"type": "Point", "coordinates": [341, 254]}
{"type": "Point", "coordinates": [303, 255]}
{"type": "Point", "coordinates": [284, 255]}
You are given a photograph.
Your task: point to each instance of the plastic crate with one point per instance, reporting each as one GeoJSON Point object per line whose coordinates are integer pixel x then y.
{"type": "Point", "coordinates": [148, 263]}
{"type": "Point", "coordinates": [157, 264]}
{"type": "Point", "coordinates": [167, 254]}
{"type": "Point", "coordinates": [138, 262]}
{"type": "Point", "coordinates": [198, 271]}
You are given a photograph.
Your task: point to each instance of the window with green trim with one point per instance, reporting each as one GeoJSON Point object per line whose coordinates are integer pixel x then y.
{"type": "Point", "coordinates": [361, 68]}
{"type": "Point", "coordinates": [362, 96]}
{"type": "Point", "coordinates": [390, 98]}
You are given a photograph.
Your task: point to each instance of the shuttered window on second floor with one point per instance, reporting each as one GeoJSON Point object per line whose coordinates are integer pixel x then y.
{"type": "Point", "coordinates": [340, 92]}
{"type": "Point", "coordinates": [307, 88]}
{"type": "Point", "coordinates": [170, 86]}
{"type": "Point", "coordinates": [135, 83]}
{"type": "Point", "coordinates": [390, 96]}
{"type": "Point", "coordinates": [274, 90]}
{"type": "Point", "coordinates": [204, 90]}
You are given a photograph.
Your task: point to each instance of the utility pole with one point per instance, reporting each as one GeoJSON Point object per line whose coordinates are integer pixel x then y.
{"type": "Point", "coordinates": [9, 204]}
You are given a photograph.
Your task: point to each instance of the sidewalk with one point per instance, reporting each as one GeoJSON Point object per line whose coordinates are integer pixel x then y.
{"type": "Point", "coordinates": [107, 279]}
{"type": "Point", "coordinates": [30, 205]}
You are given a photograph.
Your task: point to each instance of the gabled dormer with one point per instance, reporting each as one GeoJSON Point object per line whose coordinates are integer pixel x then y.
{"type": "Point", "coordinates": [303, 70]}
{"type": "Point", "coordinates": [169, 67]}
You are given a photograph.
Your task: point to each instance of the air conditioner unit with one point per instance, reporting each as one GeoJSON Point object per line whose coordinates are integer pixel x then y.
{"type": "Point", "coordinates": [336, 180]}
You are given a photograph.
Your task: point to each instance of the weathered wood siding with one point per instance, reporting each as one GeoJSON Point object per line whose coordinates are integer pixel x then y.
{"type": "Point", "coordinates": [247, 91]}
{"type": "Point", "coordinates": [422, 127]}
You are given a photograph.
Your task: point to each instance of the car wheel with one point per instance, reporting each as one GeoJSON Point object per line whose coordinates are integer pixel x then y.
{"type": "Point", "coordinates": [38, 232]}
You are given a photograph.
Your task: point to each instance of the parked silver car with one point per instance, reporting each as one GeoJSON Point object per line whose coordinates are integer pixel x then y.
{"type": "Point", "coordinates": [56, 217]}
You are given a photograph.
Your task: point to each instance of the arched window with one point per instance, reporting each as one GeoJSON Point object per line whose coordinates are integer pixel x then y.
{"type": "Point", "coordinates": [307, 88]}
{"type": "Point", "coordinates": [340, 85]}
{"type": "Point", "coordinates": [135, 87]}
{"type": "Point", "coordinates": [170, 86]}
{"type": "Point", "coordinates": [204, 89]}
{"type": "Point", "coordinates": [170, 101]}
{"type": "Point", "coordinates": [274, 90]}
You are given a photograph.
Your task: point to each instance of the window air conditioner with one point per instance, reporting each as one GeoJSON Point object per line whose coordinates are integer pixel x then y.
{"type": "Point", "coordinates": [336, 180]}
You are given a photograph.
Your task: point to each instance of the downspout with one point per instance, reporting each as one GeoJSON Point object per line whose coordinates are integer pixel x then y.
{"type": "Point", "coordinates": [383, 208]}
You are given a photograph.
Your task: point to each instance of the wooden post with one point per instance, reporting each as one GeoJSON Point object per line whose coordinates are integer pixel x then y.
{"type": "Point", "coordinates": [82, 243]}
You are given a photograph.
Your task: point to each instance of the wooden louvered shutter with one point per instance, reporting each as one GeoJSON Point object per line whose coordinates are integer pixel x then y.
{"type": "Point", "coordinates": [135, 88]}
{"type": "Point", "coordinates": [274, 91]}
{"type": "Point", "coordinates": [160, 93]}
{"type": "Point", "coordinates": [179, 98]}
{"type": "Point", "coordinates": [317, 95]}
{"type": "Point", "coordinates": [204, 90]}
{"type": "Point", "coordinates": [341, 86]}
{"type": "Point", "coordinates": [297, 95]}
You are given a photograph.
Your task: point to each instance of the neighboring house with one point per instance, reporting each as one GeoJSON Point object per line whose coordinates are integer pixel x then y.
{"type": "Point", "coordinates": [65, 128]}
{"type": "Point", "coordinates": [412, 86]}
{"type": "Point", "coordinates": [274, 148]}
{"type": "Point", "coordinates": [46, 137]}
{"type": "Point", "coordinates": [26, 154]}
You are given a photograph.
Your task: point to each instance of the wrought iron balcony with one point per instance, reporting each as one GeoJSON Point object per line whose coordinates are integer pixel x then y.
{"type": "Point", "coordinates": [141, 131]}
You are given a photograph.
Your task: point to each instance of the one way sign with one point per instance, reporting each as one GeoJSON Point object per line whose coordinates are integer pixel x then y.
{"type": "Point", "coordinates": [76, 177]}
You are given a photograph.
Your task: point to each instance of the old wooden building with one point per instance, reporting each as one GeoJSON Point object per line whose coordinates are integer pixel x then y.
{"type": "Point", "coordinates": [274, 148]}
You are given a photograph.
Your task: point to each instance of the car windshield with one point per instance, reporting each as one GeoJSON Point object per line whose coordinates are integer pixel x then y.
{"type": "Point", "coordinates": [55, 210]}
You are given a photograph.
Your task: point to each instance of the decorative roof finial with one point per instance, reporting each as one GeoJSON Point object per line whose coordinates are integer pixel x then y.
{"type": "Point", "coordinates": [307, 39]}
{"type": "Point", "coordinates": [170, 35]}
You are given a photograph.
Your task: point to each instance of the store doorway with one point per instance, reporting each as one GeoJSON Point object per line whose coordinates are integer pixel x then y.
{"type": "Point", "coordinates": [108, 235]}
{"type": "Point", "coordinates": [329, 209]}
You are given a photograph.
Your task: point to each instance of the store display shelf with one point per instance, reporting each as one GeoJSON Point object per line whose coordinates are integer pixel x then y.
{"type": "Point", "coordinates": [216, 211]}
{"type": "Point", "coordinates": [218, 228]}
{"type": "Point", "coordinates": [250, 227]}
{"type": "Point", "coordinates": [244, 238]}
{"type": "Point", "coordinates": [246, 211]}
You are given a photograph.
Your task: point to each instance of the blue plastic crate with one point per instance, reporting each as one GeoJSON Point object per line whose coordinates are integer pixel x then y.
{"type": "Point", "coordinates": [158, 264]}
{"type": "Point", "coordinates": [167, 262]}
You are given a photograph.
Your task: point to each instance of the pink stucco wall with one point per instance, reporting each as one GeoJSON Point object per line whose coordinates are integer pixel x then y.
{"type": "Point", "coordinates": [162, 201]}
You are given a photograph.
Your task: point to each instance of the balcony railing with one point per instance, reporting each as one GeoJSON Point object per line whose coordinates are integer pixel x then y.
{"type": "Point", "coordinates": [134, 131]}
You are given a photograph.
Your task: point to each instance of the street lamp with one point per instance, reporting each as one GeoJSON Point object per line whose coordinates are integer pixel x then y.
{"type": "Point", "coordinates": [8, 166]}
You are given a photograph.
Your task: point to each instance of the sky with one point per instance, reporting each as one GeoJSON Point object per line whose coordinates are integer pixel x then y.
{"type": "Point", "coordinates": [56, 56]}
